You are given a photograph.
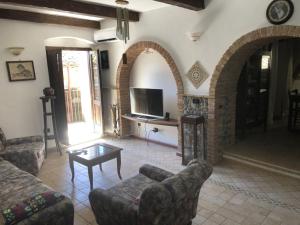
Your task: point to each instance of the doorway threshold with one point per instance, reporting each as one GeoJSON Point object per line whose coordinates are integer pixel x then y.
{"type": "Point", "coordinates": [263, 165]}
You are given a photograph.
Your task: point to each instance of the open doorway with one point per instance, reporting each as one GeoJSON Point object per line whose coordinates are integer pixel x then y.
{"type": "Point", "coordinates": [75, 76]}
{"type": "Point", "coordinates": [266, 124]}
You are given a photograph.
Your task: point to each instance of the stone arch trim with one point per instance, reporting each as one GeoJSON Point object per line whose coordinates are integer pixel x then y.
{"type": "Point", "coordinates": [123, 79]}
{"type": "Point", "coordinates": [222, 93]}
{"type": "Point", "coordinates": [256, 37]}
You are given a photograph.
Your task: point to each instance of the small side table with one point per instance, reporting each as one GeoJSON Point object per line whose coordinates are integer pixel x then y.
{"type": "Point", "coordinates": [190, 147]}
{"type": "Point", "coordinates": [94, 155]}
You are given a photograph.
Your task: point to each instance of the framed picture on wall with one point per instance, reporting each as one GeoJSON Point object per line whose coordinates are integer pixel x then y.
{"type": "Point", "coordinates": [104, 59]}
{"type": "Point", "coordinates": [20, 70]}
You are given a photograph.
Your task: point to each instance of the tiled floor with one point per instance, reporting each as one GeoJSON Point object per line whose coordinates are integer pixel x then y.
{"type": "Point", "coordinates": [279, 147]}
{"type": "Point", "coordinates": [234, 194]}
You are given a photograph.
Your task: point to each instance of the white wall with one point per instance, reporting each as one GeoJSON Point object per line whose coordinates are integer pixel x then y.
{"type": "Point", "coordinates": [152, 71]}
{"type": "Point", "coordinates": [108, 76]}
{"type": "Point", "coordinates": [221, 23]}
{"type": "Point", "coordinates": [21, 109]}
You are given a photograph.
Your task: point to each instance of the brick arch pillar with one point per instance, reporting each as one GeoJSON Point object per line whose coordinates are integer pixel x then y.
{"type": "Point", "coordinates": [123, 79]}
{"type": "Point", "coordinates": [223, 87]}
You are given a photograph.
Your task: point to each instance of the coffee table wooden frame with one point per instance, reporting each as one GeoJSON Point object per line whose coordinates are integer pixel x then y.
{"type": "Point", "coordinates": [116, 154]}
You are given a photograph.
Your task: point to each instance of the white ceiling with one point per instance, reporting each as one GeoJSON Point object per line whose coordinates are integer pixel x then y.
{"type": "Point", "coordinates": [136, 5]}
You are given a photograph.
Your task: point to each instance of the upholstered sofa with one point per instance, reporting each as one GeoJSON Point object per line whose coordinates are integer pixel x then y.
{"type": "Point", "coordinates": [153, 197]}
{"type": "Point", "coordinates": [26, 153]}
{"type": "Point", "coordinates": [25, 200]}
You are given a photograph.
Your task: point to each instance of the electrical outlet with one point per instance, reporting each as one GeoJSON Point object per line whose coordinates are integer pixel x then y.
{"type": "Point", "coordinates": [155, 130]}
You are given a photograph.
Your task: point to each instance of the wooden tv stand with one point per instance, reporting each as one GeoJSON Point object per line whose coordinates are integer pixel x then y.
{"type": "Point", "coordinates": [170, 122]}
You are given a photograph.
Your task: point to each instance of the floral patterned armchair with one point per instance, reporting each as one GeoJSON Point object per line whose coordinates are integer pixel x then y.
{"type": "Point", "coordinates": [26, 153]}
{"type": "Point", "coordinates": [153, 197]}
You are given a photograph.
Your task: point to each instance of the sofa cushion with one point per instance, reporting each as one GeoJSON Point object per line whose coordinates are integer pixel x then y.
{"type": "Point", "coordinates": [23, 140]}
{"type": "Point", "coordinates": [31, 147]}
{"type": "Point", "coordinates": [131, 189]}
{"type": "Point", "coordinates": [27, 156]}
{"type": "Point", "coordinates": [119, 204]}
{"type": "Point", "coordinates": [2, 137]}
{"type": "Point", "coordinates": [17, 185]}
{"type": "Point", "coordinates": [31, 206]}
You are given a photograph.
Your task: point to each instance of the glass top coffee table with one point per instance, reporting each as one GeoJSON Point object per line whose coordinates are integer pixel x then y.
{"type": "Point", "coordinates": [95, 155]}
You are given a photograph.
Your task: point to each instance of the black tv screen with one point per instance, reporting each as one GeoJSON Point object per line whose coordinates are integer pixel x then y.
{"type": "Point", "coordinates": [147, 102]}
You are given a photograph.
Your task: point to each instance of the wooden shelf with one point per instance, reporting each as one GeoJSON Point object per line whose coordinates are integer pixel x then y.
{"type": "Point", "coordinates": [171, 122]}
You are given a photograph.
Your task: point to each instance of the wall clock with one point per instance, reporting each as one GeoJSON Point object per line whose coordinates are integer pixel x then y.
{"type": "Point", "coordinates": [280, 11]}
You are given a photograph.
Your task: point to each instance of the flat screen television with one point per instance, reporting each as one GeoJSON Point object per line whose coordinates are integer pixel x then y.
{"type": "Point", "coordinates": [147, 102]}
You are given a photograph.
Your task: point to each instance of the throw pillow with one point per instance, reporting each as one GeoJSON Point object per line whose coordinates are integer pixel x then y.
{"type": "Point", "coordinates": [30, 206]}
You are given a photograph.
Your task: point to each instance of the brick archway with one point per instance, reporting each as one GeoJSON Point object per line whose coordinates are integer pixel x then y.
{"type": "Point", "coordinates": [222, 101]}
{"type": "Point", "coordinates": [123, 79]}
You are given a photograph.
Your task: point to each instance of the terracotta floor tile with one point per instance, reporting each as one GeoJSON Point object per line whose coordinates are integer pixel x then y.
{"type": "Point", "coordinates": [234, 194]}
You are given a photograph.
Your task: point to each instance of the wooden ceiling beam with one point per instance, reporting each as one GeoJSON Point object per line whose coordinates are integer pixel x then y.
{"type": "Point", "coordinates": [75, 7]}
{"type": "Point", "coordinates": [195, 5]}
{"type": "Point", "coordinates": [45, 18]}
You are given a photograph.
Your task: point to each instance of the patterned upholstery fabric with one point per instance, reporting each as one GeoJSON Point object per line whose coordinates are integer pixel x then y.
{"type": "Point", "coordinates": [2, 147]}
{"type": "Point", "coordinates": [2, 137]}
{"type": "Point", "coordinates": [24, 140]}
{"type": "Point", "coordinates": [28, 156]}
{"type": "Point", "coordinates": [155, 173]}
{"type": "Point", "coordinates": [26, 153]}
{"type": "Point", "coordinates": [30, 206]}
{"type": "Point", "coordinates": [122, 198]}
{"type": "Point", "coordinates": [17, 186]}
{"type": "Point", "coordinates": [154, 197]}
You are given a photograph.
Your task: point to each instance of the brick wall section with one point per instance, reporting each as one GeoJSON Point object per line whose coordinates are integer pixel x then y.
{"type": "Point", "coordinates": [222, 93]}
{"type": "Point", "coordinates": [123, 79]}
{"type": "Point", "coordinates": [221, 103]}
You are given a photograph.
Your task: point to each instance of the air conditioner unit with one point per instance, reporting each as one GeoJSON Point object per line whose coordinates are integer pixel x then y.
{"type": "Point", "coordinates": [106, 35]}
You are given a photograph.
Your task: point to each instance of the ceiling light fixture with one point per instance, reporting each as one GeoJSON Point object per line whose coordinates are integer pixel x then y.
{"type": "Point", "coordinates": [149, 51]}
{"type": "Point", "coordinates": [122, 21]}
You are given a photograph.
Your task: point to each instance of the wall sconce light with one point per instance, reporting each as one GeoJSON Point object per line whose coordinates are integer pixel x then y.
{"type": "Point", "coordinates": [148, 51]}
{"type": "Point", "coordinates": [194, 36]}
{"type": "Point", "coordinates": [16, 50]}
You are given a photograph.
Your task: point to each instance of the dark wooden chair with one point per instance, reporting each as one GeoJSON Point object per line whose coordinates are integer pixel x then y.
{"type": "Point", "coordinates": [294, 110]}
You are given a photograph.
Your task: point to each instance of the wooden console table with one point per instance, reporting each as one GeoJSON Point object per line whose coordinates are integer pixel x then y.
{"type": "Point", "coordinates": [170, 122]}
